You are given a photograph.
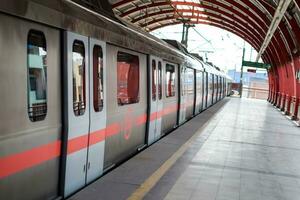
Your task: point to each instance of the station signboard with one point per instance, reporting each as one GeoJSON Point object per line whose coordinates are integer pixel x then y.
{"type": "Point", "coordinates": [251, 70]}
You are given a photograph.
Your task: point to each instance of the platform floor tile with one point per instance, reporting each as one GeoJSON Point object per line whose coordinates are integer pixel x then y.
{"type": "Point", "coordinates": [252, 153]}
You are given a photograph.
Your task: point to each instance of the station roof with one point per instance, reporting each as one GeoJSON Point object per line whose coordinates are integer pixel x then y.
{"type": "Point", "coordinates": [249, 19]}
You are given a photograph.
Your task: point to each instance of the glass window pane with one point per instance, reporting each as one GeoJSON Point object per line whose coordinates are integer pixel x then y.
{"type": "Point", "coordinates": [78, 58]}
{"type": "Point", "coordinates": [154, 80]}
{"type": "Point", "coordinates": [98, 78]}
{"type": "Point", "coordinates": [170, 80]}
{"type": "Point", "coordinates": [37, 75]}
{"type": "Point", "coordinates": [159, 81]}
{"type": "Point", "coordinates": [128, 76]}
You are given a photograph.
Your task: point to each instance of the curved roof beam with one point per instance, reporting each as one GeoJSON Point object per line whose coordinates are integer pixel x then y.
{"type": "Point", "coordinates": [250, 8]}
{"type": "Point", "coordinates": [235, 9]}
{"type": "Point", "coordinates": [197, 14]}
{"type": "Point", "coordinates": [288, 27]}
{"type": "Point", "coordinates": [246, 33]}
{"type": "Point", "coordinates": [212, 18]}
{"type": "Point", "coordinates": [254, 11]}
{"type": "Point", "coordinates": [238, 33]}
{"type": "Point", "coordinates": [277, 18]}
{"type": "Point", "coordinates": [233, 19]}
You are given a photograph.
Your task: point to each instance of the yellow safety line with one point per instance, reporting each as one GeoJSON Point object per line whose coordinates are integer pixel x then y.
{"type": "Point", "coordinates": [145, 187]}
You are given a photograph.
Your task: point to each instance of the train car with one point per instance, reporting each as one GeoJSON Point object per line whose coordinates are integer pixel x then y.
{"type": "Point", "coordinates": [210, 84]}
{"type": "Point", "coordinates": [190, 98]}
{"type": "Point", "coordinates": [201, 85]}
{"type": "Point", "coordinates": [220, 86]}
{"type": "Point", "coordinates": [205, 90]}
{"type": "Point", "coordinates": [200, 91]}
{"type": "Point", "coordinates": [82, 92]}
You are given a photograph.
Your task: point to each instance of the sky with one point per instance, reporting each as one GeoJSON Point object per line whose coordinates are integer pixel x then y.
{"type": "Point", "coordinates": [223, 48]}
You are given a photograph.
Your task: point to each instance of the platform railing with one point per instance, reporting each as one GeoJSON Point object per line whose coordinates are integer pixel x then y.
{"type": "Point", "coordinates": [289, 105]}
{"type": "Point", "coordinates": [256, 93]}
{"type": "Point", "coordinates": [282, 103]}
{"type": "Point", "coordinates": [292, 108]}
{"type": "Point", "coordinates": [298, 114]}
{"type": "Point", "coordinates": [280, 98]}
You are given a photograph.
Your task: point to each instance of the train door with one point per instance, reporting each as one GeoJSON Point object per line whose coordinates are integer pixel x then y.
{"type": "Point", "coordinates": [211, 89]}
{"type": "Point", "coordinates": [190, 92]}
{"type": "Point", "coordinates": [211, 92]}
{"type": "Point", "coordinates": [98, 114]}
{"type": "Point", "coordinates": [224, 87]}
{"type": "Point", "coordinates": [221, 88]}
{"type": "Point", "coordinates": [183, 95]}
{"type": "Point", "coordinates": [85, 116]}
{"type": "Point", "coordinates": [205, 90]}
{"type": "Point", "coordinates": [202, 91]}
{"type": "Point", "coordinates": [216, 89]}
{"type": "Point", "coordinates": [199, 92]}
{"type": "Point", "coordinates": [215, 92]}
{"type": "Point", "coordinates": [155, 73]}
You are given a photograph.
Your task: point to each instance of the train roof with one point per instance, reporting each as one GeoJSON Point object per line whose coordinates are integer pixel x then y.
{"type": "Point", "coordinates": [72, 16]}
{"type": "Point", "coordinates": [209, 67]}
{"type": "Point", "coordinates": [191, 61]}
{"type": "Point", "coordinates": [196, 59]}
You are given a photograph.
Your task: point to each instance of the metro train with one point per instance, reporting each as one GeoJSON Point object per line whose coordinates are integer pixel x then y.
{"type": "Point", "coordinates": [81, 93]}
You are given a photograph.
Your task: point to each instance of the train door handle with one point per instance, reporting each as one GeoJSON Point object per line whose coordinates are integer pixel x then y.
{"type": "Point", "coordinates": [84, 168]}
{"type": "Point", "coordinates": [89, 165]}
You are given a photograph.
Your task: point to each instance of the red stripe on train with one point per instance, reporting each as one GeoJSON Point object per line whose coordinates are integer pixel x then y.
{"type": "Point", "coordinates": [77, 144]}
{"type": "Point", "coordinates": [97, 136]}
{"type": "Point", "coordinates": [20, 161]}
{"type": "Point", "coordinates": [112, 129]}
{"type": "Point", "coordinates": [141, 120]}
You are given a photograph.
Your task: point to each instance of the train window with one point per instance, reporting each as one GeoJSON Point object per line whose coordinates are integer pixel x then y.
{"type": "Point", "coordinates": [78, 58]}
{"type": "Point", "coordinates": [36, 76]}
{"type": "Point", "coordinates": [170, 80]}
{"type": "Point", "coordinates": [98, 78]}
{"type": "Point", "coordinates": [159, 81]}
{"type": "Point", "coordinates": [154, 80]}
{"type": "Point", "coordinates": [128, 76]}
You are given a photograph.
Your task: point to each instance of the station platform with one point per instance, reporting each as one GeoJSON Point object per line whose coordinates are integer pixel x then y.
{"type": "Point", "coordinates": [238, 149]}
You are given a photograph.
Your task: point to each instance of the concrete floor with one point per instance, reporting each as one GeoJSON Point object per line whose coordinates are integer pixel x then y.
{"type": "Point", "coordinates": [253, 152]}
{"type": "Point", "coordinates": [248, 150]}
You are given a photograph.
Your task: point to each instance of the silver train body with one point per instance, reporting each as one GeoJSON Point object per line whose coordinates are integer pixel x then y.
{"type": "Point", "coordinates": [64, 120]}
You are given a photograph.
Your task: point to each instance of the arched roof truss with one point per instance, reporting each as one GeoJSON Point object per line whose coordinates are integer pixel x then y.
{"type": "Point", "coordinates": [249, 19]}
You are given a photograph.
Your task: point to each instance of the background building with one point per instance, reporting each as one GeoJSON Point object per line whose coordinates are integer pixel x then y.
{"type": "Point", "coordinates": [255, 85]}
